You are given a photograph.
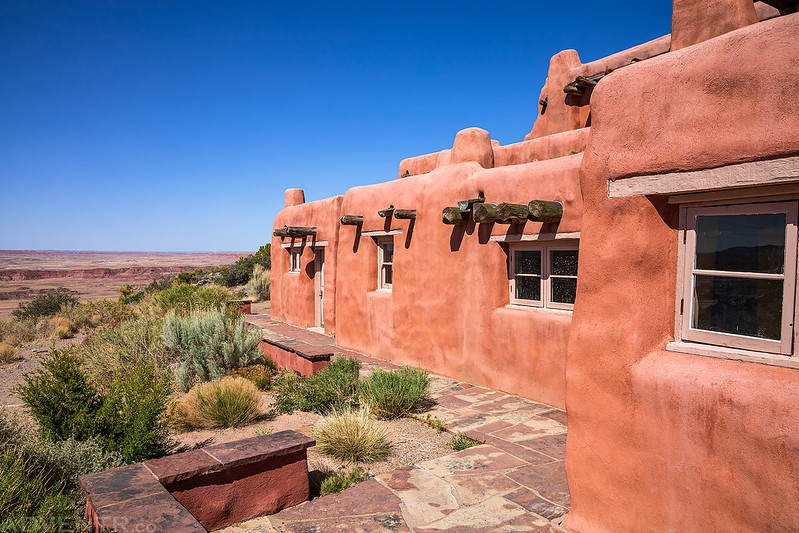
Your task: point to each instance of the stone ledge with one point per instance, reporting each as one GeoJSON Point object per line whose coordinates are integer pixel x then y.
{"type": "Point", "coordinates": [200, 490]}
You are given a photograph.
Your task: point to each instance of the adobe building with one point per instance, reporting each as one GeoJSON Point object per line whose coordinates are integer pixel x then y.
{"type": "Point", "coordinates": [633, 260]}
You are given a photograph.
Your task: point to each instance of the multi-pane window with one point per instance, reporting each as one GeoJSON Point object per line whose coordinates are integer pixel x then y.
{"type": "Point", "coordinates": [385, 258]}
{"type": "Point", "coordinates": [740, 276]}
{"type": "Point", "coordinates": [296, 259]}
{"type": "Point", "coordinates": [544, 275]}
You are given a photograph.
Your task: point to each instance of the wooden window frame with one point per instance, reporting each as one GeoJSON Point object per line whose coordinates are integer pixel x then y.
{"type": "Point", "coordinates": [546, 286]}
{"type": "Point", "coordinates": [382, 263]}
{"type": "Point", "coordinates": [295, 260]}
{"type": "Point", "coordinates": [686, 272]}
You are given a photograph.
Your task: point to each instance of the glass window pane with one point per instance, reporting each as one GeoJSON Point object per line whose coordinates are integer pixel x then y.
{"type": "Point", "coordinates": [388, 252]}
{"type": "Point", "coordinates": [741, 243]}
{"type": "Point", "coordinates": [528, 288]}
{"type": "Point", "coordinates": [741, 306]}
{"type": "Point", "coordinates": [564, 262]}
{"type": "Point", "coordinates": [564, 290]}
{"type": "Point", "coordinates": [528, 262]}
{"type": "Point", "coordinates": [387, 274]}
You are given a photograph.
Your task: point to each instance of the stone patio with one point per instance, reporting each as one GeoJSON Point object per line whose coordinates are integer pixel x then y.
{"type": "Point", "coordinates": [516, 481]}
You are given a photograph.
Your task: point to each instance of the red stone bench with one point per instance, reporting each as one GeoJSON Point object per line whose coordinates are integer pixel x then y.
{"type": "Point", "coordinates": [296, 355]}
{"type": "Point", "coordinates": [201, 490]}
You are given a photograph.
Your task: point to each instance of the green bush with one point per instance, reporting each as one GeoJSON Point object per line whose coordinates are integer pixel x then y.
{"type": "Point", "coordinates": [240, 272]}
{"type": "Point", "coordinates": [183, 298]}
{"type": "Point", "coordinates": [121, 349]}
{"type": "Point", "coordinates": [459, 442]}
{"type": "Point", "coordinates": [190, 276]}
{"type": "Point", "coordinates": [340, 481]}
{"type": "Point", "coordinates": [230, 402]}
{"type": "Point", "coordinates": [259, 285]}
{"type": "Point", "coordinates": [394, 393]}
{"type": "Point", "coordinates": [127, 420]}
{"type": "Point", "coordinates": [333, 387]}
{"type": "Point", "coordinates": [39, 479]}
{"type": "Point", "coordinates": [351, 436]}
{"type": "Point", "coordinates": [209, 344]}
{"type": "Point", "coordinates": [46, 304]}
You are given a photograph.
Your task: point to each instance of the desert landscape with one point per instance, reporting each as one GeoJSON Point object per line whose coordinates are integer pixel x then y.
{"type": "Point", "coordinates": [92, 275]}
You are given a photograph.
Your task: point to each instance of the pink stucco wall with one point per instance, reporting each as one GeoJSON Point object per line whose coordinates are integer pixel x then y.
{"type": "Point", "coordinates": [664, 441]}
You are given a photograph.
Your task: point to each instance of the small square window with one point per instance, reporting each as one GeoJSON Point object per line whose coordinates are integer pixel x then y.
{"type": "Point", "coordinates": [385, 262]}
{"type": "Point", "coordinates": [544, 274]}
{"type": "Point", "coordinates": [740, 275]}
{"type": "Point", "coordinates": [296, 259]}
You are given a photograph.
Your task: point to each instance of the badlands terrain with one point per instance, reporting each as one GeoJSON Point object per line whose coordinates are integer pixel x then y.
{"type": "Point", "coordinates": [92, 275]}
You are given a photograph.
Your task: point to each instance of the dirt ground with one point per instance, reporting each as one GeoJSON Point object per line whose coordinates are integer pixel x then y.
{"type": "Point", "coordinates": [411, 441]}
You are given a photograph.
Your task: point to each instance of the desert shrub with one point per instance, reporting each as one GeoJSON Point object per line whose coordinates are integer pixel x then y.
{"type": "Point", "coordinates": [349, 435]}
{"type": "Point", "coordinates": [209, 344]}
{"type": "Point", "coordinates": [98, 313]}
{"type": "Point", "coordinates": [120, 349]}
{"type": "Point", "coordinates": [259, 375]}
{"type": "Point", "coordinates": [62, 327]}
{"type": "Point", "coordinates": [44, 305]}
{"type": "Point", "coordinates": [259, 285]}
{"type": "Point", "coordinates": [8, 354]}
{"type": "Point", "coordinates": [394, 393]}
{"type": "Point", "coordinates": [183, 298]}
{"type": "Point", "coordinates": [190, 276]}
{"type": "Point", "coordinates": [333, 387]}
{"type": "Point", "coordinates": [39, 478]}
{"type": "Point", "coordinates": [459, 442]}
{"type": "Point", "coordinates": [13, 340]}
{"type": "Point", "coordinates": [339, 481]}
{"type": "Point", "coordinates": [127, 420]}
{"type": "Point", "coordinates": [240, 272]}
{"type": "Point", "coordinates": [22, 329]}
{"type": "Point", "coordinates": [230, 402]}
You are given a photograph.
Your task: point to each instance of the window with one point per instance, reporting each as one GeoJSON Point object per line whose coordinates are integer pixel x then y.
{"type": "Point", "coordinates": [296, 259]}
{"type": "Point", "coordinates": [739, 276]}
{"type": "Point", "coordinates": [385, 263]}
{"type": "Point", "coordinates": [544, 275]}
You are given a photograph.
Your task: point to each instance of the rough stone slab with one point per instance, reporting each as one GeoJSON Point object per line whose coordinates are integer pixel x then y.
{"type": "Point", "coordinates": [535, 504]}
{"type": "Point", "coordinates": [551, 445]}
{"type": "Point", "coordinates": [427, 498]}
{"type": "Point", "coordinates": [557, 414]}
{"type": "Point", "coordinates": [367, 498]}
{"type": "Point", "coordinates": [483, 458]}
{"type": "Point", "coordinates": [180, 466]}
{"type": "Point", "coordinates": [537, 426]}
{"type": "Point", "coordinates": [119, 484]}
{"type": "Point", "coordinates": [525, 454]}
{"type": "Point", "coordinates": [548, 479]}
{"type": "Point", "coordinates": [159, 513]}
{"type": "Point", "coordinates": [256, 449]}
{"type": "Point", "coordinates": [475, 489]}
{"type": "Point", "coordinates": [477, 422]}
{"type": "Point", "coordinates": [494, 514]}
{"type": "Point", "coordinates": [382, 523]}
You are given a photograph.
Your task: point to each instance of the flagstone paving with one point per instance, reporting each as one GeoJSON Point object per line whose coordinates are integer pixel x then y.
{"type": "Point", "coordinates": [515, 481]}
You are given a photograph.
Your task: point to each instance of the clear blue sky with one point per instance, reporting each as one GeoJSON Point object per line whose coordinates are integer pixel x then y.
{"type": "Point", "coordinates": [177, 125]}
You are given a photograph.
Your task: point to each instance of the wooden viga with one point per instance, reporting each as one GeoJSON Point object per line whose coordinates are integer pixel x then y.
{"type": "Point", "coordinates": [402, 214]}
{"type": "Point", "coordinates": [295, 231]}
{"type": "Point", "coordinates": [460, 215]}
{"type": "Point", "coordinates": [509, 213]}
{"type": "Point", "coordinates": [352, 220]}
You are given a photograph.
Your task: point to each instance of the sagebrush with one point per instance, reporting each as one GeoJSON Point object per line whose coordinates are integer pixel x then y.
{"type": "Point", "coordinates": [352, 436]}
{"type": "Point", "coordinates": [259, 285]}
{"type": "Point", "coordinates": [230, 402]}
{"type": "Point", "coordinates": [209, 344]}
{"type": "Point", "coordinates": [333, 387]}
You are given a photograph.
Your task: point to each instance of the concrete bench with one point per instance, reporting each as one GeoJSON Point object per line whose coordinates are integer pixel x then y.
{"type": "Point", "coordinates": [296, 355]}
{"type": "Point", "coordinates": [201, 490]}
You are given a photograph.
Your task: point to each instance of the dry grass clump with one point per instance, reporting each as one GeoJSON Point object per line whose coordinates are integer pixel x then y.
{"type": "Point", "coordinates": [13, 340]}
{"type": "Point", "coordinates": [63, 328]}
{"type": "Point", "coordinates": [22, 329]}
{"type": "Point", "coordinates": [258, 286]}
{"type": "Point", "coordinates": [8, 354]}
{"type": "Point", "coordinates": [351, 436]}
{"type": "Point", "coordinates": [229, 402]}
{"type": "Point", "coordinates": [260, 375]}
